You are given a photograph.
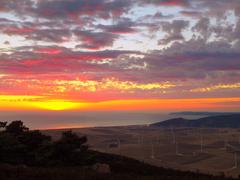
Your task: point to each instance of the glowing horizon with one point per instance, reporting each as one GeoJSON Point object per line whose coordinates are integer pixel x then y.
{"type": "Point", "coordinates": [30, 103]}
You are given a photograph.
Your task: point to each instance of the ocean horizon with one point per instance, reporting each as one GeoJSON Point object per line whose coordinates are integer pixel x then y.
{"type": "Point", "coordinates": [83, 119]}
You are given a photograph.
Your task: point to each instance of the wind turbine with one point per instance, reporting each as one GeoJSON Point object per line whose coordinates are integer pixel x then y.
{"type": "Point", "coordinates": [119, 143]}
{"type": "Point", "coordinates": [158, 138]}
{"type": "Point", "coordinates": [235, 160]}
{"type": "Point", "coordinates": [160, 134]}
{"type": "Point", "coordinates": [236, 151]}
{"type": "Point", "coordinates": [201, 140]}
{"type": "Point", "coordinates": [201, 143]}
{"type": "Point", "coordinates": [177, 146]}
{"type": "Point", "coordinates": [177, 149]}
{"type": "Point", "coordinates": [152, 150]}
{"type": "Point", "coordinates": [226, 143]}
{"type": "Point", "coordinates": [173, 136]}
{"type": "Point", "coordinates": [139, 139]}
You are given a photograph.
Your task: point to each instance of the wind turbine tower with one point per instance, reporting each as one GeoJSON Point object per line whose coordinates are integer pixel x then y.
{"type": "Point", "coordinates": [173, 136]}
{"type": "Point", "coordinates": [235, 160]}
{"type": "Point", "coordinates": [152, 150]}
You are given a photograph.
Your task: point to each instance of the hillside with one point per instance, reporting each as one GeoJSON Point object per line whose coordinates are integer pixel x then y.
{"type": "Point", "coordinates": [221, 121]}
{"type": "Point", "coordinates": [121, 167]}
{"type": "Point", "coordinates": [31, 155]}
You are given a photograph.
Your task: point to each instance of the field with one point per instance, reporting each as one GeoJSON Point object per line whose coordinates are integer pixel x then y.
{"type": "Point", "coordinates": [210, 151]}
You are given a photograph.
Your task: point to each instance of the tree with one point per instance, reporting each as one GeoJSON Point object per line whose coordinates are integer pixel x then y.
{"type": "Point", "coordinates": [19, 145]}
{"type": "Point", "coordinates": [34, 139]}
{"type": "Point", "coordinates": [71, 142]}
{"type": "Point", "coordinates": [37, 147]}
{"type": "Point", "coordinates": [11, 150]}
{"type": "Point", "coordinates": [3, 124]}
{"type": "Point", "coordinates": [16, 128]}
{"type": "Point", "coordinates": [71, 149]}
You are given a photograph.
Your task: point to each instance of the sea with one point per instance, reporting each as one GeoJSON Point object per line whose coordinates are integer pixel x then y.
{"type": "Point", "coordinates": [83, 119]}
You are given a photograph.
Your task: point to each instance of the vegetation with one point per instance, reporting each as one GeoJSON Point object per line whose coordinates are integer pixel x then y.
{"type": "Point", "coordinates": [19, 145]}
{"type": "Point", "coordinates": [26, 154]}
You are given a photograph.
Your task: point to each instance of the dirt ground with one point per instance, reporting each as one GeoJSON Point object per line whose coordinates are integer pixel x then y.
{"type": "Point", "coordinates": [211, 151]}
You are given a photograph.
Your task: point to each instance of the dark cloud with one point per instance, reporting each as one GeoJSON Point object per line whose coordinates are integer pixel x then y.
{"type": "Point", "coordinates": [50, 35]}
{"type": "Point", "coordinates": [174, 31]}
{"type": "Point", "coordinates": [167, 2]}
{"type": "Point", "coordinates": [59, 33]}
{"type": "Point", "coordinates": [75, 8]}
{"type": "Point", "coordinates": [123, 26]}
{"type": "Point", "coordinates": [171, 38]}
{"type": "Point", "coordinates": [6, 42]}
{"type": "Point", "coordinates": [43, 59]}
{"type": "Point", "coordinates": [156, 16]}
{"type": "Point", "coordinates": [95, 40]}
{"type": "Point", "coordinates": [203, 28]}
{"type": "Point", "coordinates": [34, 31]}
{"type": "Point", "coordinates": [15, 6]}
{"type": "Point", "coordinates": [106, 9]}
{"type": "Point", "coordinates": [194, 59]}
{"type": "Point", "coordinates": [191, 13]}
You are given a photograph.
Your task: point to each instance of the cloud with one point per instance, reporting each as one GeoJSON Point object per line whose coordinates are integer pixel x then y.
{"type": "Point", "coordinates": [90, 89]}
{"type": "Point", "coordinates": [191, 13]}
{"type": "Point", "coordinates": [189, 44]}
{"type": "Point", "coordinates": [75, 8]}
{"type": "Point", "coordinates": [123, 26]}
{"type": "Point", "coordinates": [34, 31]}
{"type": "Point", "coordinates": [44, 59]}
{"type": "Point", "coordinates": [171, 38]}
{"type": "Point", "coordinates": [156, 16]}
{"type": "Point", "coordinates": [174, 31]}
{"type": "Point", "coordinates": [167, 2]}
{"type": "Point", "coordinates": [217, 87]}
{"type": "Point", "coordinates": [95, 40]}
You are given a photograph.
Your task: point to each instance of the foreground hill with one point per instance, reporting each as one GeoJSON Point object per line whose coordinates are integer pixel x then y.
{"type": "Point", "coordinates": [120, 168]}
{"type": "Point", "coordinates": [222, 121]}
{"type": "Point", "coordinates": [31, 155]}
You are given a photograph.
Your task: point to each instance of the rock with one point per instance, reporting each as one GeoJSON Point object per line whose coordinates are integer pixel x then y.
{"type": "Point", "coordinates": [102, 168]}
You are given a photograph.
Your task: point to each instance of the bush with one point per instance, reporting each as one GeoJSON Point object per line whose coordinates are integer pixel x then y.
{"type": "Point", "coordinates": [19, 145]}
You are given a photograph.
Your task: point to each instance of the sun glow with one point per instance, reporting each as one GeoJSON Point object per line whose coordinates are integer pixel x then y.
{"type": "Point", "coordinates": [57, 105]}
{"type": "Point", "coordinates": [44, 103]}
{"type": "Point", "coordinates": [8, 102]}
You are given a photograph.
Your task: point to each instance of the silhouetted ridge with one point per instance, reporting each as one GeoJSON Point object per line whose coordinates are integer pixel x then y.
{"type": "Point", "coordinates": [201, 113]}
{"type": "Point", "coordinates": [223, 121]}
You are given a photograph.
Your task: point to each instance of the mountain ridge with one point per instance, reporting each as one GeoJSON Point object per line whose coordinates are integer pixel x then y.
{"type": "Point", "coordinates": [220, 121]}
{"type": "Point", "coordinates": [201, 113]}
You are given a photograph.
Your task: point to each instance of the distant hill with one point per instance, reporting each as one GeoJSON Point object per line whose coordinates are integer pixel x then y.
{"type": "Point", "coordinates": [222, 121]}
{"type": "Point", "coordinates": [202, 113]}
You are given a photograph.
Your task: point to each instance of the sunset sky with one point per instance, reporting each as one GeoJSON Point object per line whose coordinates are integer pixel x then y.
{"type": "Point", "coordinates": [167, 55]}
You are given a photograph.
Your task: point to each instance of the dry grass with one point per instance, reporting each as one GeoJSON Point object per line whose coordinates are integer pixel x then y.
{"type": "Point", "coordinates": [138, 141]}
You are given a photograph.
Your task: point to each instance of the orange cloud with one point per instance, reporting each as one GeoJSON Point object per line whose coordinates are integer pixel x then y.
{"type": "Point", "coordinates": [110, 83]}
{"type": "Point", "coordinates": [78, 87]}
{"type": "Point", "coordinates": [38, 103]}
{"type": "Point", "coordinates": [217, 87]}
